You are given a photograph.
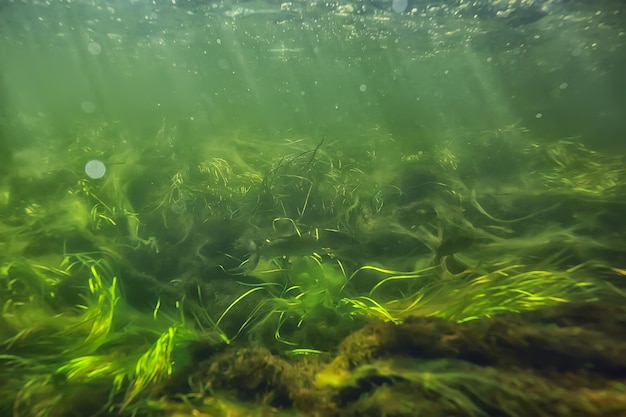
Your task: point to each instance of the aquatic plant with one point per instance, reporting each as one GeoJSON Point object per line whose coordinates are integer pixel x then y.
{"type": "Point", "coordinates": [319, 237]}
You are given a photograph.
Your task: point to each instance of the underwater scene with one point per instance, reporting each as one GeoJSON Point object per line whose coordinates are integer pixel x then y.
{"type": "Point", "coordinates": [312, 208]}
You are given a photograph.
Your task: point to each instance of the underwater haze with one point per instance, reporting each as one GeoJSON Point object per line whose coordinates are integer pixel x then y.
{"type": "Point", "coordinates": [312, 208]}
{"type": "Point", "coordinates": [553, 66]}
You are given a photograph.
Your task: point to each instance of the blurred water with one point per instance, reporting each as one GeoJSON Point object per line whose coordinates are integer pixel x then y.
{"type": "Point", "coordinates": [555, 67]}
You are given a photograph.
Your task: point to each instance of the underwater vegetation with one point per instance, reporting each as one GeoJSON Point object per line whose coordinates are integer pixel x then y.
{"type": "Point", "coordinates": [242, 276]}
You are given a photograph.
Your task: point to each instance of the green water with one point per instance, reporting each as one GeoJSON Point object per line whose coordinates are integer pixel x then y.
{"type": "Point", "coordinates": [302, 70]}
{"type": "Point", "coordinates": [279, 175]}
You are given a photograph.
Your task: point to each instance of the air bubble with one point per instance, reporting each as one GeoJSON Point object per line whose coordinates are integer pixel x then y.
{"type": "Point", "coordinates": [95, 169]}
{"type": "Point", "coordinates": [399, 6]}
{"type": "Point", "coordinates": [94, 48]}
{"type": "Point", "coordinates": [87, 106]}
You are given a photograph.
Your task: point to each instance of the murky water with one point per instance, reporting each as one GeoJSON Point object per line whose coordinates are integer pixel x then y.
{"type": "Point", "coordinates": [194, 193]}
{"type": "Point", "coordinates": [555, 67]}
